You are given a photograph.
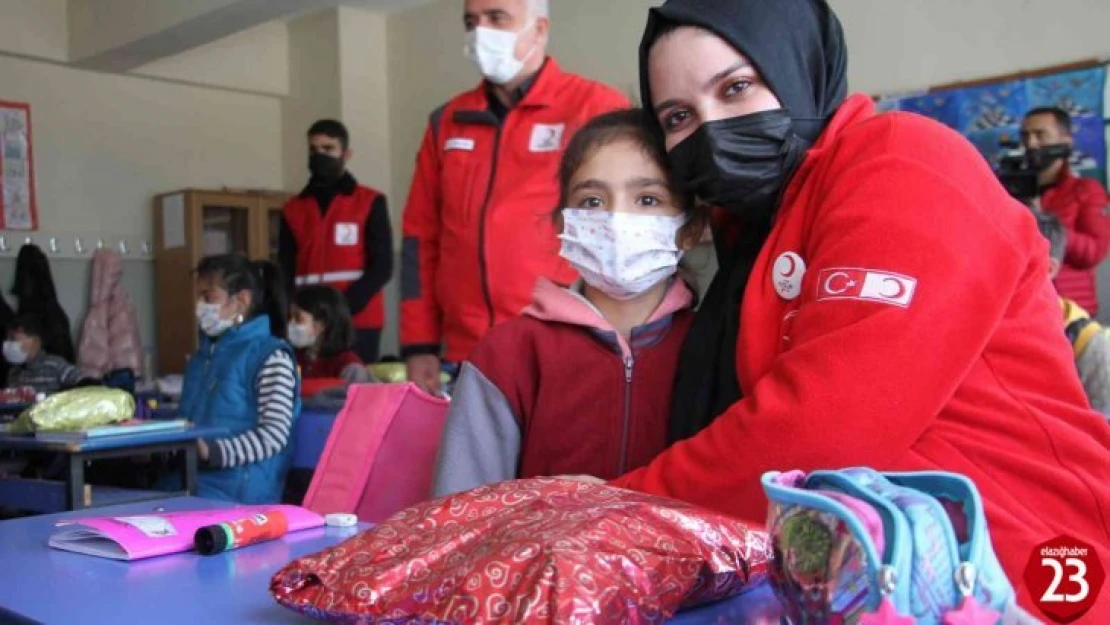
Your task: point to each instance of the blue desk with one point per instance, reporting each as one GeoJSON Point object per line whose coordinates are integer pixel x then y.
{"type": "Point", "coordinates": [50, 586]}
{"type": "Point", "coordinates": [52, 496]}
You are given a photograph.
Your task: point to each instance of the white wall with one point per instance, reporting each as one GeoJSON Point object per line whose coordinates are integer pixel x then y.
{"type": "Point", "coordinates": [314, 91]}
{"type": "Point", "coordinates": [363, 89]}
{"type": "Point", "coordinates": [35, 28]}
{"type": "Point", "coordinates": [96, 24]}
{"type": "Point", "coordinates": [105, 144]}
{"type": "Point", "coordinates": [898, 45]}
{"type": "Point", "coordinates": [255, 59]}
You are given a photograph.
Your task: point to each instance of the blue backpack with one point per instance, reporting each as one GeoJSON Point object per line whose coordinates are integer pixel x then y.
{"type": "Point", "coordinates": [857, 546]}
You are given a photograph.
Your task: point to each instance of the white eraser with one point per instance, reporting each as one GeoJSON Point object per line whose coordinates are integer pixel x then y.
{"type": "Point", "coordinates": [340, 520]}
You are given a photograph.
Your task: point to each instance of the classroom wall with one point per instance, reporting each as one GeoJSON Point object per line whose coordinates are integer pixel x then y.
{"type": "Point", "coordinates": [35, 28]}
{"type": "Point", "coordinates": [255, 59]}
{"type": "Point", "coordinates": [105, 144]}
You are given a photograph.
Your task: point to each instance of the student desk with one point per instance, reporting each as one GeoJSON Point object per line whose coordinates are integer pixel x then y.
{"type": "Point", "coordinates": [49, 586]}
{"type": "Point", "coordinates": [70, 494]}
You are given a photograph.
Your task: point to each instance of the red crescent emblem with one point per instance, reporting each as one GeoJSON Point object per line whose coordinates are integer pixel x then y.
{"type": "Point", "coordinates": [793, 266]}
{"type": "Point", "coordinates": [901, 289]}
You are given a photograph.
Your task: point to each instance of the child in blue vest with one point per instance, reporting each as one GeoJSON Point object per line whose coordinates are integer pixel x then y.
{"type": "Point", "coordinates": [243, 379]}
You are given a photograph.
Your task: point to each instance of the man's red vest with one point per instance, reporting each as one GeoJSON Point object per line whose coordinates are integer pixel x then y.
{"type": "Point", "coordinates": [331, 247]}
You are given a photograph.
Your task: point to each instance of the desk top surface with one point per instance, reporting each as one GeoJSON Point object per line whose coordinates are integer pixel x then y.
{"type": "Point", "coordinates": [52, 586]}
{"type": "Point", "coordinates": [30, 443]}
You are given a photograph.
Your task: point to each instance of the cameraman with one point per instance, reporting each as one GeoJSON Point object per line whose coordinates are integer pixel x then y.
{"type": "Point", "coordinates": [1079, 203]}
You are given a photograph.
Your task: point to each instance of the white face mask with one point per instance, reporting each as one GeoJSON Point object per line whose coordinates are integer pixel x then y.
{"type": "Point", "coordinates": [621, 254]}
{"type": "Point", "coordinates": [301, 335]}
{"type": "Point", "coordinates": [14, 352]}
{"type": "Point", "coordinates": [494, 52]}
{"type": "Point", "coordinates": [208, 318]}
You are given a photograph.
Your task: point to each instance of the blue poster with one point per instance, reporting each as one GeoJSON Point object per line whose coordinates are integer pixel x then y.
{"type": "Point", "coordinates": [990, 115]}
{"type": "Point", "coordinates": [1000, 105]}
{"type": "Point", "coordinates": [943, 106]}
{"type": "Point", "coordinates": [1079, 93]}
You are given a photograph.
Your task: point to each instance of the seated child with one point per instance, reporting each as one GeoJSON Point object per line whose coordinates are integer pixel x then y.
{"type": "Point", "coordinates": [320, 329]}
{"type": "Point", "coordinates": [243, 378]}
{"type": "Point", "coordinates": [581, 382]}
{"type": "Point", "coordinates": [1088, 339]}
{"type": "Point", "coordinates": [30, 364]}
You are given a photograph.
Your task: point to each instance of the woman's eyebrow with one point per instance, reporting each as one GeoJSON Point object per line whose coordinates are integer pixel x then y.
{"type": "Point", "coordinates": [721, 75]}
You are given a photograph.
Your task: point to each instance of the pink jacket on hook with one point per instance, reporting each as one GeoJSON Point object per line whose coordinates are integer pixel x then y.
{"type": "Point", "coordinates": [110, 334]}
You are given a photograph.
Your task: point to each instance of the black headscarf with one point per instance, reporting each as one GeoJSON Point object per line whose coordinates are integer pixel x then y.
{"type": "Point", "coordinates": [797, 46]}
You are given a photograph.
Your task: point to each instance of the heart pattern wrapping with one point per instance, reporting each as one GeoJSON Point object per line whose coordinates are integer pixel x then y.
{"type": "Point", "coordinates": [530, 551]}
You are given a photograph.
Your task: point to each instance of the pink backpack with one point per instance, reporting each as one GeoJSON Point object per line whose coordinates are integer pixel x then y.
{"type": "Point", "coordinates": [381, 454]}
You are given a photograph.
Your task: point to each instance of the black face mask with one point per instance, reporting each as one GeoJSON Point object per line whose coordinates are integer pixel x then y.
{"type": "Point", "coordinates": [325, 168]}
{"type": "Point", "coordinates": [742, 163]}
{"type": "Point", "coordinates": [1042, 158]}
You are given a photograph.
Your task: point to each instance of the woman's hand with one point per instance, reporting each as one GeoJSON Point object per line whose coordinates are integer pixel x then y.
{"type": "Point", "coordinates": [202, 450]}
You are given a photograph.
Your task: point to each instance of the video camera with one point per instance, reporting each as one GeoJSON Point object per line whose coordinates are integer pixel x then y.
{"type": "Point", "coordinates": [1018, 168]}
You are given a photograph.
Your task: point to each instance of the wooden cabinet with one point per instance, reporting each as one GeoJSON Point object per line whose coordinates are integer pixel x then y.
{"type": "Point", "coordinates": [192, 224]}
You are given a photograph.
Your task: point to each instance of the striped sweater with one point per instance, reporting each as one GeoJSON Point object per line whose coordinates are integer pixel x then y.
{"type": "Point", "coordinates": [275, 386]}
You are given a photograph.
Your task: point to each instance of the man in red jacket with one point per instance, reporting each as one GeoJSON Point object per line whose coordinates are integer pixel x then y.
{"type": "Point", "coordinates": [477, 227]}
{"type": "Point", "coordinates": [336, 232]}
{"type": "Point", "coordinates": [1079, 203]}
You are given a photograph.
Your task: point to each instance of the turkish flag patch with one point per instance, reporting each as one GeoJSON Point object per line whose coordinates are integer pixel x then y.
{"type": "Point", "coordinates": [866, 284]}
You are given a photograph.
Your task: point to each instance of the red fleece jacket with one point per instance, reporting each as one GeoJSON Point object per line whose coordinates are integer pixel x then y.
{"type": "Point", "coordinates": [1080, 204]}
{"type": "Point", "coordinates": [926, 336]}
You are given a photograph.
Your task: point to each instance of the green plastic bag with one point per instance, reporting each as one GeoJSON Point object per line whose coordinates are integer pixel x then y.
{"type": "Point", "coordinates": [78, 409]}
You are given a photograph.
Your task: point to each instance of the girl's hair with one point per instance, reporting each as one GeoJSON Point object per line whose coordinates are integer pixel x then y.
{"type": "Point", "coordinates": [329, 307]}
{"type": "Point", "coordinates": [635, 125]}
{"type": "Point", "coordinates": [261, 278]}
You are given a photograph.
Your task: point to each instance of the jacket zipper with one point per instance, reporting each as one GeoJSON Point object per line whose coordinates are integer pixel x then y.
{"type": "Point", "coordinates": [626, 419]}
{"type": "Point", "coordinates": [483, 268]}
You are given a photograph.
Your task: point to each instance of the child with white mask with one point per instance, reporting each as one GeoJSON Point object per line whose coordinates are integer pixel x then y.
{"type": "Point", "coordinates": [321, 331]}
{"type": "Point", "coordinates": [242, 379]}
{"type": "Point", "coordinates": [581, 382]}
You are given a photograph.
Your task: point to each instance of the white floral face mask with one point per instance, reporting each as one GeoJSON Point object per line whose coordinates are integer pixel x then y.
{"type": "Point", "coordinates": [621, 254]}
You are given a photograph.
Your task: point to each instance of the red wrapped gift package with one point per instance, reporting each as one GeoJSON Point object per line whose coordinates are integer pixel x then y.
{"type": "Point", "coordinates": [530, 551]}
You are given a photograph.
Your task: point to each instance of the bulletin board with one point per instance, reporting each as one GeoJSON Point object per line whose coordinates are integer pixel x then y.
{"type": "Point", "coordinates": [18, 208]}
{"type": "Point", "coordinates": [990, 111]}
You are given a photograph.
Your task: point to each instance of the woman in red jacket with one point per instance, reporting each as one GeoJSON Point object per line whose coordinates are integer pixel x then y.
{"type": "Point", "coordinates": [881, 300]}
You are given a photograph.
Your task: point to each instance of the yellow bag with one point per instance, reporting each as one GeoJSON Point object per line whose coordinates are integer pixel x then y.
{"type": "Point", "coordinates": [78, 409]}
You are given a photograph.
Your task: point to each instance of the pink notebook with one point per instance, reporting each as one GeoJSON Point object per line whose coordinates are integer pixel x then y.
{"type": "Point", "coordinates": [150, 535]}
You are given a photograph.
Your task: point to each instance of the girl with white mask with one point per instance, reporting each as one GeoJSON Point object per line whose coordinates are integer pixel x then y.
{"type": "Point", "coordinates": [320, 330]}
{"type": "Point", "coordinates": [243, 379]}
{"type": "Point", "coordinates": [581, 382]}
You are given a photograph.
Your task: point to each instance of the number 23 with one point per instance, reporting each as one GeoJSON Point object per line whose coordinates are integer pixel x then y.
{"type": "Point", "coordinates": [1080, 578]}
